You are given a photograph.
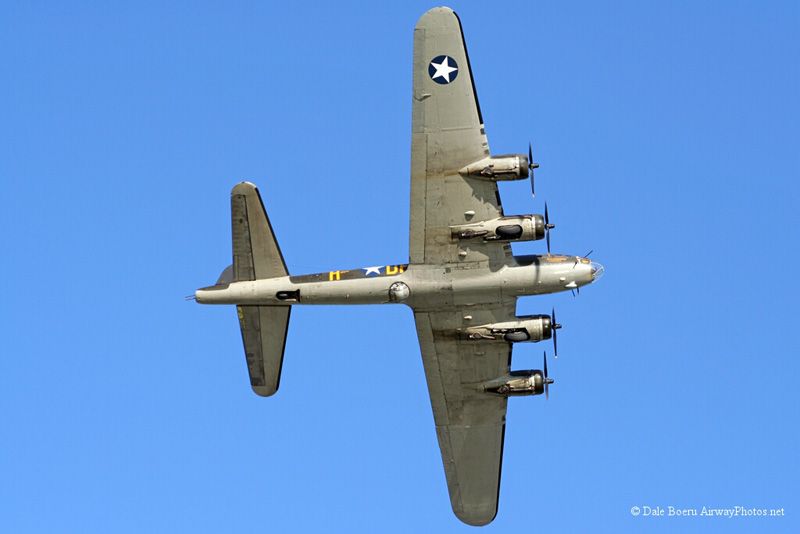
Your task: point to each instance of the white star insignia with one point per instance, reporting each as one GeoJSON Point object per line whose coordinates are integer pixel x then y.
{"type": "Point", "coordinates": [372, 270]}
{"type": "Point", "coordinates": [443, 69]}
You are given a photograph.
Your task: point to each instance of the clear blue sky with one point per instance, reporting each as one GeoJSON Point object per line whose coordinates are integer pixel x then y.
{"type": "Point", "coordinates": [668, 137]}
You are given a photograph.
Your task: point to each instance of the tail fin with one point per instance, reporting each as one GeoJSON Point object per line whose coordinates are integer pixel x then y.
{"type": "Point", "coordinates": [256, 255]}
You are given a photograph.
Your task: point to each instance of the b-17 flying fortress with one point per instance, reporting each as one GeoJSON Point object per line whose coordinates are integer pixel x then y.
{"type": "Point", "coordinates": [461, 280]}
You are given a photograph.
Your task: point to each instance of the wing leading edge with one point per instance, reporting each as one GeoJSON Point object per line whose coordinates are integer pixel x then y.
{"type": "Point", "coordinates": [470, 423]}
{"type": "Point", "coordinates": [447, 135]}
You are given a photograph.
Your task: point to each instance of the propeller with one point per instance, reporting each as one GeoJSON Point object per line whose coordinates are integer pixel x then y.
{"type": "Point", "coordinates": [547, 379]}
{"type": "Point", "coordinates": [547, 227]}
{"type": "Point", "coordinates": [531, 166]}
{"type": "Point", "coordinates": [554, 327]}
{"type": "Point", "coordinates": [578, 289]}
{"type": "Point", "coordinates": [585, 256]}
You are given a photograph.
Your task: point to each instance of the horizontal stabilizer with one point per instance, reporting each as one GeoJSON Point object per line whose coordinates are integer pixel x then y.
{"type": "Point", "coordinates": [256, 256]}
{"type": "Point", "coordinates": [264, 336]}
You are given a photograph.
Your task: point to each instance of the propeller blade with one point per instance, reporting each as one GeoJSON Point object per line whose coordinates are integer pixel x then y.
{"type": "Point", "coordinates": [545, 363]}
{"type": "Point", "coordinates": [547, 235]}
{"type": "Point", "coordinates": [546, 379]}
{"type": "Point", "coordinates": [531, 166]}
{"type": "Point", "coordinates": [576, 261]}
{"type": "Point", "coordinates": [554, 326]}
{"type": "Point", "coordinates": [547, 227]}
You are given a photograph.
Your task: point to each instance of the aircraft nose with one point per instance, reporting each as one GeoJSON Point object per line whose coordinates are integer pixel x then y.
{"type": "Point", "coordinates": [597, 270]}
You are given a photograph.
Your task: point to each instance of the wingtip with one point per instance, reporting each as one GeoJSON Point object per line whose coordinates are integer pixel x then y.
{"type": "Point", "coordinates": [476, 515]}
{"type": "Point", "coordinates": [264, 391]}
{"type": "Point", "coordinates": [476, 519]}
{"type": "Point", "coordinates": [440, 9]}
{"type": "Point", "coordinates": [434, 13]}
{"type": "Point", "coordinates": [243, 187]}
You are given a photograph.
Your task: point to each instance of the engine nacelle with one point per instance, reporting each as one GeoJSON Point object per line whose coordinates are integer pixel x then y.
{"type": "Point", "coordinates": [517, 383]}
{"type": "Point", "coordinates": [498, 168]}
{"type": "Point", "coordinates": [530, 328]}
{"type": "Point", "coordinates": [513, 228]}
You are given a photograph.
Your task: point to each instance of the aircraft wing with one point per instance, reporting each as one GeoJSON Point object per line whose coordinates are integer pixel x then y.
{"type": "Point", "coordinates": [470, 423]}
{"type": "Point", "coordinates": [447, 135]}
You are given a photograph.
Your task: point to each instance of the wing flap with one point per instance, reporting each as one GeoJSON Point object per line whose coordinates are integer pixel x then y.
{"type": "Point", "coordinates": [470, 424]}
{"type": "Point", "coordinates": [447, 135]}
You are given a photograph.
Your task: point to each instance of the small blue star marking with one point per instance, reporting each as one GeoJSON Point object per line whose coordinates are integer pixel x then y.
{"type": "Point", "coordinates": [443, 69]}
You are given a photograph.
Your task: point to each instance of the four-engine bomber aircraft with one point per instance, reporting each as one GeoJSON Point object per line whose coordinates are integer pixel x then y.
{"type": "Point", "coordinates": [461, 281]}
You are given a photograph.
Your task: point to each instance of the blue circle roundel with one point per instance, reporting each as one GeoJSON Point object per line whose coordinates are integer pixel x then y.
{"type": "Point", "coordinates": [443, 69]}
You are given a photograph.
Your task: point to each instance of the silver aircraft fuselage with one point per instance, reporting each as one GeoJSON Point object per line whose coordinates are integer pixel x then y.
{"type": "Point", "coordinates": [417, 285]}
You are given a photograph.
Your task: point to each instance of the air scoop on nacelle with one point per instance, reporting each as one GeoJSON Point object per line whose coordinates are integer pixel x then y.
{"type": "Point", "coordinates": [530, 328]}
{"type": "Point", "coordinates": [521, 383]}
{"type": "Point", "coordinates": [512, 228]}
{"type": "Point", "coordinates": [517, 384]}
{"type": "Point", "coordinates": [498, 168]}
